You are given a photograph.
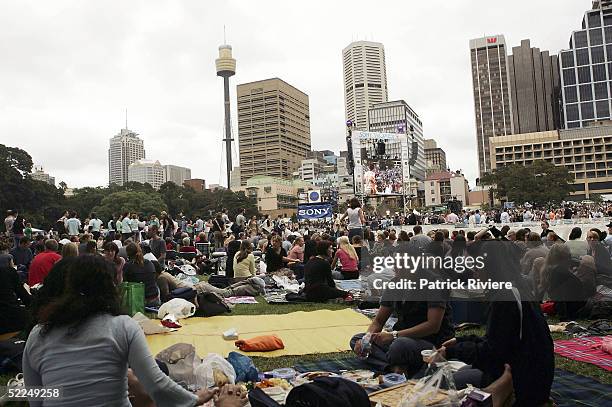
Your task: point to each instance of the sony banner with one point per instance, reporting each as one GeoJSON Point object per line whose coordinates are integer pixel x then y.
{"type": "Point", "coordinates": [319, 211]}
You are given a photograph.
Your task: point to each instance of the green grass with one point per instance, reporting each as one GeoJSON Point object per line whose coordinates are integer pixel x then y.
{"type": "Point", "coordinates": [266, 364]}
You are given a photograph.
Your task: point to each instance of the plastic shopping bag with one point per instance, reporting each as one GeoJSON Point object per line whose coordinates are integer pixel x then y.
{"type": "Point", "coordinates": [426, 391]}
{"type": "Point", "coordinates": [214, 371]}
{"type": "Point", "coordinates": [178, 307]}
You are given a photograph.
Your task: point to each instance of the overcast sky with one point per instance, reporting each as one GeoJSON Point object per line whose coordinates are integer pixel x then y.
{"type": "Point", "coordinates": [68, 69]}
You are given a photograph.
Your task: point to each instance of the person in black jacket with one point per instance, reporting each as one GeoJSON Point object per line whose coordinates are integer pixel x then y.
{"type": "Point", "coordinates": [319, 285]}
{"type": "Point", "coordinates": [13, 317]}
{"type": "Point", "coordinates": [140, 270]}
{"type": "Point", "coordinates": [517, 334]}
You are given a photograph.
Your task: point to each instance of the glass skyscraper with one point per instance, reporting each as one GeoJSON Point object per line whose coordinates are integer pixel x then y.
{"type": "Point", "coordinates": [586, 69]}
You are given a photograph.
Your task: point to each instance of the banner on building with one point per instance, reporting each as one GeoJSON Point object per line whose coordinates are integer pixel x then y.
{"type": "Point", "coordinates": [319, 211]}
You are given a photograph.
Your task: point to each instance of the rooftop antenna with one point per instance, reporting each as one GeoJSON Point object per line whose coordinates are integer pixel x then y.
{"type": "Point", "coordinates": [126, 118]}
{"type": "Point", "coordinates": [224, 39]}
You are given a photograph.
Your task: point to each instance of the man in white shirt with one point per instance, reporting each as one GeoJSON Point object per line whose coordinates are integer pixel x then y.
{"type": "Point", "coordinates": [199, 225]}
{"type": "Point", "coordinates": [241, 220]}
{"type": "Point", "coordinates": [452, 218]}
{"type": "Point", "coordinates": [94, 226]}
{"type": "Point", "coordinates": [505, 217]}
{"type": "Point", "coordinates": [73, 225]}
{"type": "Point", "coordinates": [527, 216]}
{"type": "Point", "coordinates": [126, 227]}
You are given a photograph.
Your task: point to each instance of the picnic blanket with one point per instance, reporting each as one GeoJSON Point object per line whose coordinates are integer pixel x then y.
{"type": "Point", "coordinates": [586, 350]}
{"type": "Point", "coordinates": [568, 389]}
{"type": "Point", "coordinates": [303, 333]}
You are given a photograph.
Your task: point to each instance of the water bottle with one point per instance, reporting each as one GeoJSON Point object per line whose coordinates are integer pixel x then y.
{"type": "Point", "coordinates": [366, 345]}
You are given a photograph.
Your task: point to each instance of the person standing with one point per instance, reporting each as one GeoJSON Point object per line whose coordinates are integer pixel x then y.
{"type": "Point", "coordinates": [73, 225]}
{"type": "Point", "coordinates": [94, 226]}
{"type": "Point", "coordinates": [18, 227]}
{"type": "Point", "coordinates": [199, 226]}
{"type": "Point", "coordinates": [126, 227]}
{"type": "Point", "coordinates": [356, 218]}
{"type": "Point", "coordinates": [8, 223]}
{"type": "Point", "coordinates": [240, 221]}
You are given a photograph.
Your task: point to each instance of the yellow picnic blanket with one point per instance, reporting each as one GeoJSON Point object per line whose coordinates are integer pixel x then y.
{"type": "Point", "coordinates": [302, 332]}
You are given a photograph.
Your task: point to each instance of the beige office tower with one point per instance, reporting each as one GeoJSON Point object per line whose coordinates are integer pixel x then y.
{"type": "Point", "coordinates": [492, 103]}
{"type": "Point", "coordinates": [273, 128]}
{"type": "Point", "coordinates": [365, 80]}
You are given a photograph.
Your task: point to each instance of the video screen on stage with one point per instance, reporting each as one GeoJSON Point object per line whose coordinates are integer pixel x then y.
{"type": "Point", "coordinates": [379, 158]}
{"type": "Point", "coordinates": [382, 177]}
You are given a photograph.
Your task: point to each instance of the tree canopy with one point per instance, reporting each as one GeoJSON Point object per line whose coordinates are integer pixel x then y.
{"type": "Point", "coordinates": [539, 183]}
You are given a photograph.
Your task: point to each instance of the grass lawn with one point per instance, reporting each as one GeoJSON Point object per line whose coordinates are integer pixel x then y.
{"type": "Point", "coordinates": [265, 364]}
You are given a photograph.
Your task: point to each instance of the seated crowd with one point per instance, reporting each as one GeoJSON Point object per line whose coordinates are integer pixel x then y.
{"type": "Point", "coordinates": [73, 278]}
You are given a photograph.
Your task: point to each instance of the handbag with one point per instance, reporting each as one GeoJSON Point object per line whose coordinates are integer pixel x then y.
{"type": "Point", "coordinates": [132, 297]}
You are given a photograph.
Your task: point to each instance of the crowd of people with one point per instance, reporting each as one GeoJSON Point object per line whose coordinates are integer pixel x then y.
{"type": "Point", "coordinates": [63, 283]}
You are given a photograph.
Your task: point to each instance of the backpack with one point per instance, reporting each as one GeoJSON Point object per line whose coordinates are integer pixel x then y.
{"type": "Point", "coordinates": [211, 304]}
{"type": "Point", "coordinates": [321, 392]}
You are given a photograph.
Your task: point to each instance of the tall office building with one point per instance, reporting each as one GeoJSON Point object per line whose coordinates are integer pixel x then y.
{"type": "Point", "coordinates": [125, 149]}
{"type": "Point", "coordinates": [147, 172]}
{"type": "Point", "coordinates": [584, 77]}
{"type": "Point", "coordinates": [435, 157]}
{"type": "Point", "coordinates": [534, 87]}
{"type": "Point", "coordinates": [273, 128]}
{"type": "Point", "coordinates": [491, 97]}
{"type": "Point", "coordinates": [365, 80]}
{"type": "Point", "coordinates": [398, 117]}
{"type": "Point", "coordinates": [176, 174]}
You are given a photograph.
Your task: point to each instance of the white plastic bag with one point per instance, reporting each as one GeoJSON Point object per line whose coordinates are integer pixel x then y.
{"type": "Point", "coordinates": [213, 369]}
{"type": "Point", "coordinates": [179, 307]}
{"type": "Point", "coordinates": [189, 280]}
{"type": "Point", "coordinates": [426, 391]}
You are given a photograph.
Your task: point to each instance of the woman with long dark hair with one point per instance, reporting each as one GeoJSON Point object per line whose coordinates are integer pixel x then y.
{"type": "Point", "coordinates": [140, 270]}
{"type": "Point", "coordinates": [84, 346]}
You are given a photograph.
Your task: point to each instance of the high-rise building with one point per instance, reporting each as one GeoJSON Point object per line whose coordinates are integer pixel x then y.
{"type": "Point", "coordinates": [41, 175]}
{"type": "Point", "coordinates": [435, 157]}
{"type": "Point", "coordinates": [492, 103]}
{"type": "Point", "coordinates": [365, 80]}
{"type": "Point", "coordinates": [176, 174]}
{"type": "Point", "coordinates": [125, 149]}
{"type": "Point", "coordinates": [535, 89]}
{"type": "Point", "coordinates": [584, 77]}
{"type": "Point", "coordinates": [398, 117]}
{"type": "Point", "coordinates": [147, 172]}
{"type": "Point", "coordinates": [445, 186]}
{"type": "Point", "coordinates": [273, 128]}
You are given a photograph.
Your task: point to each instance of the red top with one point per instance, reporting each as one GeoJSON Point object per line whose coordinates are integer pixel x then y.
{"type": "Point", "coordinates": [188, 249]}
{"type": "Point", "coordinates": [41, 266]}
{"type": "Point", "coordinates": [348, 263]}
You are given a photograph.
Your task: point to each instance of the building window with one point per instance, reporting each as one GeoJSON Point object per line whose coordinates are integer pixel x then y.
{"type": "Point", "coordinates": [572, 112]}
{"type": "Point", "coordinates": [601, 90]}
{"type": "Point", "coordinates": [603, 109]}
{"type": "Point", "coordinates": [582, 57]}
{"type": "Point", "coordinates": [571, 94]}
{"type": "Point", "coordinates": [596, 37]}
{"type": "Point", "coordinates": [599, 72]}
{"type": "Point", "coordinates": [567, 59]}
{"type": "Point", "coordinates": [584, 74]}
{"type": "Point", "coordinates": [594, 19]}
{"type": "Point", "coordinates": [597, 55]}
{"type": "Point", "coordinates": [586, 93]}
{"type": "Point", "coordinates": [587, 111]}
{"type": "Point", "coordinates": [580, 39]}
{"type": "Point", "coordinates": [569, 77]}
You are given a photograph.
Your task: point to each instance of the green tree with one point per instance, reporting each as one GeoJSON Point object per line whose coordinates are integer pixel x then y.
{"type": "Point", "coordinates": [39, 203]}
{"type": "Point", "coordinates": [539, 183]}
{"type": "Point", "coordinates": [129, 201]}
{"type": "Point", "coordinates": [85, 199]}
